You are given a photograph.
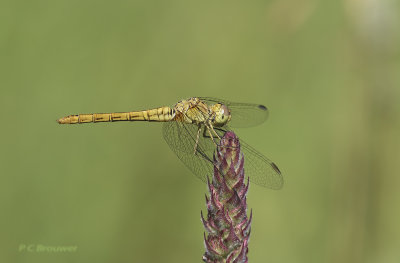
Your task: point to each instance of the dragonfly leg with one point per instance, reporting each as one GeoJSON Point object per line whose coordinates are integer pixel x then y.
{"type": "Point", "coordinates": [214, 131]}
{"type": "Point", "coordinates": [197, 140]}
{"type": "Point", "coordinates": [209, 132]}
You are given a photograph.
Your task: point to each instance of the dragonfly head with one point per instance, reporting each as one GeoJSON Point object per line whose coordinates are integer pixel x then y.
{"type": "Point", "coordinates": [222, 114]}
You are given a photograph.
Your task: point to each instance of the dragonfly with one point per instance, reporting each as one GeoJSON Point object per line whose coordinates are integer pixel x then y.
{"type": "Point", "coordinates": [193, 128]}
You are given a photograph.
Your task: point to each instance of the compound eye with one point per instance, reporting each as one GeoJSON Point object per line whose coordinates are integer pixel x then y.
{"type": "Point", "coordinates": [225, 111]}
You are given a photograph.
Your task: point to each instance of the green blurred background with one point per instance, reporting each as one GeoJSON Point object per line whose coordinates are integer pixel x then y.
{"type": "Point", "coordinates": [327, 70]}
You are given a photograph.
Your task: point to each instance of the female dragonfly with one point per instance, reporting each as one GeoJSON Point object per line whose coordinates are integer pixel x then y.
{"type": "Point", "coordinates": [193, 128]}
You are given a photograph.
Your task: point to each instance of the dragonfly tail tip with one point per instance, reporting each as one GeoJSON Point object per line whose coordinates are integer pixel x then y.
{"type": "Point", "coordinates": [60, 121]}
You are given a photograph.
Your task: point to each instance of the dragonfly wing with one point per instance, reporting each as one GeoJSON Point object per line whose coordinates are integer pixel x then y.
{"type": "Point", "coordinates": [259, 168]}
{"type": "Point", "coordinates": [262, 171]}
{"type": "Point", "coordinates": [181, 138]}
{"type": "Point", "coordinates": [243, 114]}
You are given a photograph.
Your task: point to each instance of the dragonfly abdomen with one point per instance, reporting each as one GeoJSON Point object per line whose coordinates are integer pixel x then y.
{"type": "Point", "coordinates": [161, 114]}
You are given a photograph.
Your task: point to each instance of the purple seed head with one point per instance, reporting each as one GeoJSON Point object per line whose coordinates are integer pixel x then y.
{"type": "Point", "coordinates": [227, 225]}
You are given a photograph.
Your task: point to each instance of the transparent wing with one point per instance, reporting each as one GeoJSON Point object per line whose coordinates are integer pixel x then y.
{"type": "Point", "coordinates": [260, 169]}
{"type": "Point", "coordinates": [243, 114]}
{"type": "Point", "coordinates": [181, 138]}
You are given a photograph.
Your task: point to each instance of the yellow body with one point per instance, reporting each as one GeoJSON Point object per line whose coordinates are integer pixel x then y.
{"type": "Point", "coordinates": [158, 114]}
{"type": "Point", "coordinates": [192, 110]}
